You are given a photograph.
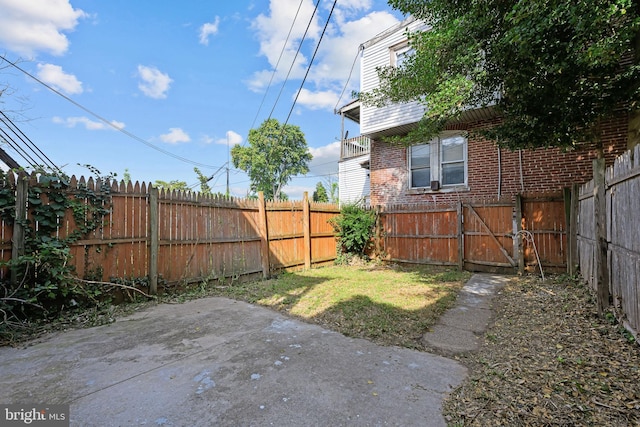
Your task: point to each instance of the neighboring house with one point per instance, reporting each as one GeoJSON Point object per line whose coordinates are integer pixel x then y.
{"type": "Point", "coordinates": [458, 164]}
{"type": "Point", "coordinates": [353, 171]}
{"type": "Point", "coordinates": [353, 166]}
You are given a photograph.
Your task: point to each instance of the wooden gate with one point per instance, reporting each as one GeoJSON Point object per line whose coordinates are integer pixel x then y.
{"type": "Point", "coordinates": [478, 235]}
{"type": "Point", "coordinates": [488, 237]}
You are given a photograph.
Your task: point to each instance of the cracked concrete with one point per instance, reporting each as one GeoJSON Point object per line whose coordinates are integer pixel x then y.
{"type": "Point", "coordinates": [217, 361]}
{"type": "Point", "coordinates": [460, 328]}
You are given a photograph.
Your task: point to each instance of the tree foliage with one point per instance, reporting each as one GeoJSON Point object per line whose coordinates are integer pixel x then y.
{"type": "Point", "coordinates": [558, 67]}
{"type": "Point", "coordinates": [171, 185]}
{"type": "Point", "coordinates": [320, 194]}
{"type": "Point", "coordinates": [204, 182]}
{"type": "Point", "coordinates": [275, 154]}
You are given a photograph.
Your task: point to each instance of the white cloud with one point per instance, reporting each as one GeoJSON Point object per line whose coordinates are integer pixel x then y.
{"type": "Point", "coordinates": [296, 192]}
{"type": "Point", "coordinates": [28, 27]}
{"type": "Point", "coordinates": [321, 100]}
{"type": "Point", "coordinates": [209, 29]}
{"type": "Point", "coordinates": [325, 159]}
{"type": "Point", "coordinates": [339, 49]}
{"type": "Point", "coordinates": [232, 138]}
{"type": "Point", "coordinates": [87, 123]}
{"type": "Point", "coordinates": [272, 31]}
{"type": "Point", "coordinates": [351, 26]}
{"type": "Point", "coordinates": [155, 83]}
{"type": "Point", "coordinates": [175, 136]}
{"type": "Point", "coordinates": [58, 79]}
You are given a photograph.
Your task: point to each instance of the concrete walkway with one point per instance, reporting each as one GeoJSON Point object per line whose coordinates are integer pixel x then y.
{"type": "Point", "coordinates": [460, 328]}
{"type": "Point", "coordinates": [217, 361]}
{"type": "Point", "coordinates": [220, 362]}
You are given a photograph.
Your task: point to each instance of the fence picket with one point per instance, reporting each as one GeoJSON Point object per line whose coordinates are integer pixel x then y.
{"type": "Point", "coordinates": [621, 261]}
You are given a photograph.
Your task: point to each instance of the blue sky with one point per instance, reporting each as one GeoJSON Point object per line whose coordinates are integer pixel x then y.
{"type": "Point", "coordinates": [189, 78]}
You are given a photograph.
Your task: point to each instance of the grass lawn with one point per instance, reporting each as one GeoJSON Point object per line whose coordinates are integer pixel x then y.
{"type": "Point", "coordinates": [387, 304]}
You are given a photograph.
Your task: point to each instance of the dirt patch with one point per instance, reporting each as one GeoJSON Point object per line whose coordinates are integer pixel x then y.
{"type": "Point", "coordinates": [549, 359]}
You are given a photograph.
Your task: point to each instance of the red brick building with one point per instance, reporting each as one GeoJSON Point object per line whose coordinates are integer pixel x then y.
{"type": "Point", "coordinates": [491, 171]}
{"type": "Point", "coordinates": [459, 164]}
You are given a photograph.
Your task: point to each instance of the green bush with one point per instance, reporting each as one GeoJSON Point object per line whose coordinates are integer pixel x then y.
{"type": "Point", "coordinates": [354, 229]}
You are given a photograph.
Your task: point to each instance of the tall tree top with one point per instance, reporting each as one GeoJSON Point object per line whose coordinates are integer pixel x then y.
{"type": "Point", "coordinates": [276, 153]}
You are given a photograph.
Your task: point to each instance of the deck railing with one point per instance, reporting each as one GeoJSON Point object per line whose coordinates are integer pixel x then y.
{"type": "Point", "coordinates": [354, 147]}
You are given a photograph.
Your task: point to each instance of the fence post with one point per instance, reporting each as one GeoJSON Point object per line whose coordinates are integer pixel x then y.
{"type": "Point", "coordinates": [17, 248]}
{"type": "Point", "coordinates": [572, 232]}
{"type": "Point", "coordinates": [263, 229]}
{"type": "Point", "coordinates": [154, 240]}
{"type": "Point", "coordinates": [306, 224]}
{"type": "Point", "coordinates": [378, 234]}
{"type": "Point", "coordinates": [566, 196]}
{"type": "Point", "coordinates": [460, 236]}
{"type": "Point", "coordinates": [600, 213]}
{"type": "Point", "coordinates": [519, 242]}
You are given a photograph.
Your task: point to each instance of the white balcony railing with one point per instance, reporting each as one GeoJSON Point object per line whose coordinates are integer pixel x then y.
{"type": "Point", "coordinates": [354, 147]}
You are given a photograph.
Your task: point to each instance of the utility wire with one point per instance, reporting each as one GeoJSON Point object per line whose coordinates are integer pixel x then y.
{"type": "Point", "coordinates": [275, 69]}
{"type": "Point", "coordinates": [304, 36]}
{"type": "Point", "coordinates": [108, 123]}
{"type": "Point", "coordinates": [326, 24]}
{"type": "Point", "coordinates": [344, 89]}
{"type": "Point", "coordinates": [26, 141]}
{"type": "Point", "coordinates": [192, 186]}
{"type": "Point", "coordinates": [16, 147]}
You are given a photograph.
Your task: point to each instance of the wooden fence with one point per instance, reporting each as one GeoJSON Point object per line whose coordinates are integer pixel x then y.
{"type": "Point", "coordinates": [506, 235]}
{"type": "Point", "coordinates": [182, 237]}
{"type": "Point", "coordinates": [608, 236]}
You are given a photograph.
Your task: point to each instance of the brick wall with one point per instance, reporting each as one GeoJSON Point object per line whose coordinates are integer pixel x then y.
{"type": "Point", "coordinates": [544, 171]}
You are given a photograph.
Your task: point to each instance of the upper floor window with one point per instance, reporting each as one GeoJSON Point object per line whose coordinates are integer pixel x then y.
{"type": "Point", "coordinates": [400, 53]}
{"type": "Point", "coordinates": [443, 159]}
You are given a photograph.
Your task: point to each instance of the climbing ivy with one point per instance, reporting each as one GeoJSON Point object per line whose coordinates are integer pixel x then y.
{"type": "Point", "coordinates": [46, 282]}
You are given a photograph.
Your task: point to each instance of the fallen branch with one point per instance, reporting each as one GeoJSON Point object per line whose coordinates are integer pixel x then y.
{"type": "Point", "coordinates": [94, 282]}
{"type": "Point", "coordinates": [20, 300]}
{"type": "Point", "coordinates": [608, 406]}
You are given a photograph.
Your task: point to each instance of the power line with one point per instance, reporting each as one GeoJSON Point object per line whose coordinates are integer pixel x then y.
{"type": "Point", "coordinates": [275, 69]}
{"type": "Point", "coordinates": [311, 62]}
{"type": "Point", "coordinates": [353, 65]}
{"type": "Point", "coordinates": [21, 152]}
{"type": "Point", "coordinates": [296, 56]}
{"type": "Point", "coordinates": [108, 123]}
{"type": "Point", "coordinates": [26, 141]}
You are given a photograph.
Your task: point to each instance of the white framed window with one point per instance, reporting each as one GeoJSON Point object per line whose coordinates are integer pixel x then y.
{"type": "Point", "coordinates": [443, 159]}
{"type": "Point", "coordinates": [400, 53]}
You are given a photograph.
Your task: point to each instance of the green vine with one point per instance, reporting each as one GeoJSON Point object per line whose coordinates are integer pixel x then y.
{"type": "Point", "coordinates": [46, 282]}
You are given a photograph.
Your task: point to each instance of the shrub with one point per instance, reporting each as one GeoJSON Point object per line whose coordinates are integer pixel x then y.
{"type": "Point", "coordinates": [354, 229]}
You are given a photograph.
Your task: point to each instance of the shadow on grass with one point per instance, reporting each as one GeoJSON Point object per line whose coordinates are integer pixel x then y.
{"type": "Point", "coordinates": [373, 302]}
{"type": "Point", "coordinates": [383, 323]}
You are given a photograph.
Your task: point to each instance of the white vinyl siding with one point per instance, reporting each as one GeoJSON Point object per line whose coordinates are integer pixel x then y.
{"type": "Point", "coordinates": [353, 182]}
{"type": "Point", "coordinates": [376, 53]}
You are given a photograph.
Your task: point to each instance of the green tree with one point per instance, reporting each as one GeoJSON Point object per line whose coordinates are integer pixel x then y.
{"type": "Point", "coordinates": [204, 182]}
{"type": "Point", "coordinates": [171, 185]}
{"type": "Point", "coordinates": [333, 192]}
{"type": "Point", "coordinates": [275, 154]}
{"type": "Point", "coordinates": [320, 195]}
{"type": "Point", "coordinates": [560, 67]}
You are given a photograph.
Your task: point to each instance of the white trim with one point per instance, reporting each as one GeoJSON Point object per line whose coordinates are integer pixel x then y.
{"type": "Point", "coordinates": [436, 161]}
